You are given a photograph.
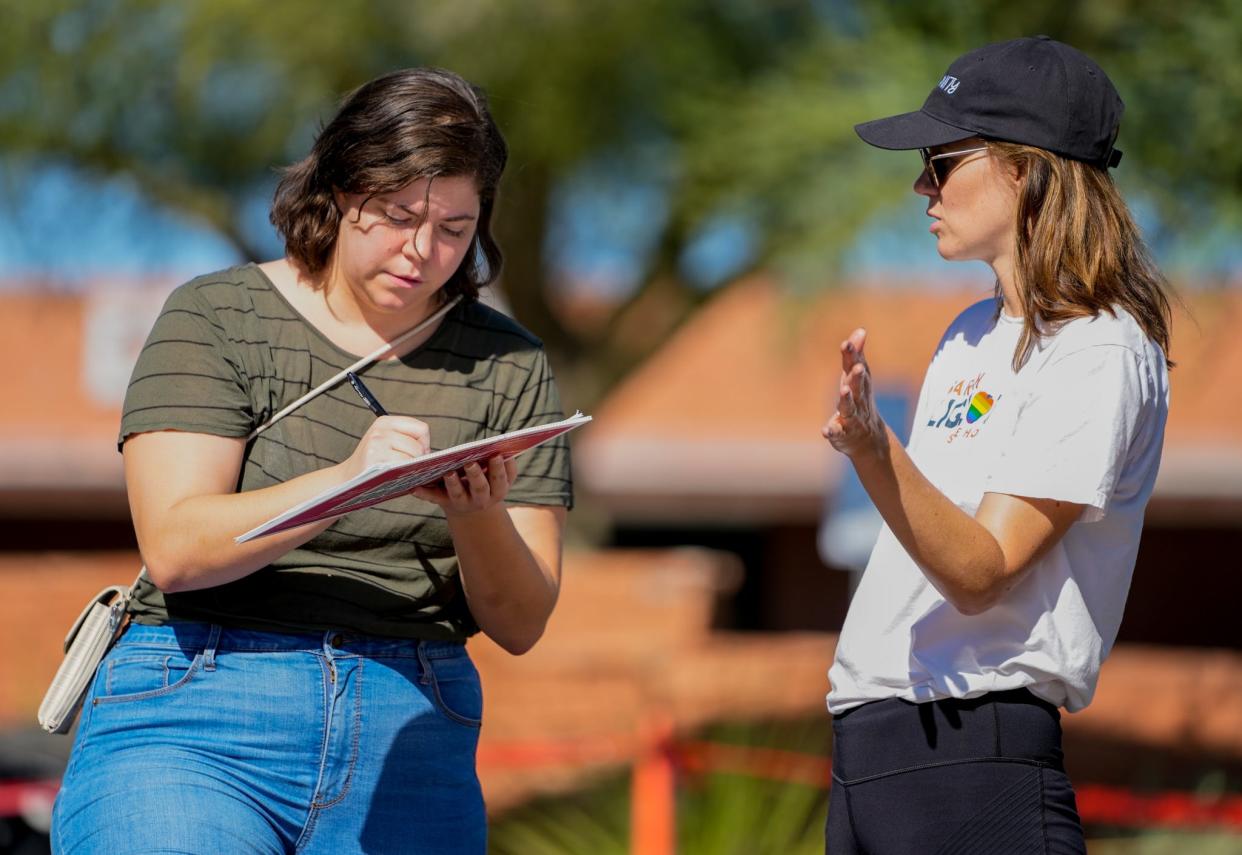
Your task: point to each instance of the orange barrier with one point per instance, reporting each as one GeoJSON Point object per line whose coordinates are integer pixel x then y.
{"type": "Point", "coordinates": [657, 757]}
{"type": "Point", "coordinates": [22, 797]}
{"type": "Point", "coordinates": [1116, 806]}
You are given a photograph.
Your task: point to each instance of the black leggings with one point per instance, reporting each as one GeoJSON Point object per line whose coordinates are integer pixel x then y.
{"type": "Point", "coordinates": [977, 776]}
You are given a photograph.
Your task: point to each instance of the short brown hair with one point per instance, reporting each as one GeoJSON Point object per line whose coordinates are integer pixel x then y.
{"type": "Point", "coordinates": [410, 124]}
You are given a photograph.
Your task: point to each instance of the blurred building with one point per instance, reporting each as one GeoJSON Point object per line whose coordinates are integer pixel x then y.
{"type": "Point", "coordinates": [715, 440]}
{"type": "Point", "coordinates": [712, 444]}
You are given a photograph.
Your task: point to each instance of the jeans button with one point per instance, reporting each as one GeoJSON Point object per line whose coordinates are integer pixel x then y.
{"type": "Point", "coordinates": [338, 640]}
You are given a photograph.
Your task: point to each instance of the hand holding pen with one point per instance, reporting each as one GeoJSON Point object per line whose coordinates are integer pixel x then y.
{"type": "Point", "coordinates": [474, 488]}
{"type": "Point", "coordinates": [389, 439]}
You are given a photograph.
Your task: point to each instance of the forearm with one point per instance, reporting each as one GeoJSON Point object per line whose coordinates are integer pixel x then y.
{"type": "Point", "coordinates": [190, 544]}
{"type": "Point", "coordinates": [955, 551]}
{"type": "Point", "coordinates": [511, 592]}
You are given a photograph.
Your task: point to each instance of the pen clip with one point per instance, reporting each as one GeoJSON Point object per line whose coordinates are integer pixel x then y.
{"type": "Point", "coordinates": [363, 392]}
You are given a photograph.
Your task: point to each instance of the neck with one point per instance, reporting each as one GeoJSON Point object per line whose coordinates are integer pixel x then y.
{"type": "Point", "coordinates": [1007, 287]}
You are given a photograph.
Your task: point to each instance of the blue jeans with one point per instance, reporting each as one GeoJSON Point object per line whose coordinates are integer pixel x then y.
{"type": "Point", "coordinates": [981, 776]}
{"type": "Point", "coordinates": [198, 739]}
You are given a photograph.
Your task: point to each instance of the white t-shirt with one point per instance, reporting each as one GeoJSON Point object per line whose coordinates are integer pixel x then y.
{"type": "Point", "coordinates": [1082, 421]}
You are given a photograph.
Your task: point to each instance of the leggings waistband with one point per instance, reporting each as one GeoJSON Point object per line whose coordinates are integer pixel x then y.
{"type": "Point", "coordinates": [891, 734]}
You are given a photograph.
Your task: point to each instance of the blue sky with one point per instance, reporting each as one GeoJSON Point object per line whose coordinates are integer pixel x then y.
{"type": "Point", "coordinates": [62, 227]}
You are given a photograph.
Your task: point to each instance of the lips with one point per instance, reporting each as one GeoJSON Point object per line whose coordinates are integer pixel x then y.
{"type": "Point", "coordinates": [405, 281]}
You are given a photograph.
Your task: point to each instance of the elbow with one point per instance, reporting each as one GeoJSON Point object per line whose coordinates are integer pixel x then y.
{"type": "Point", "coordinates": [975, 598]}
{"type": "Point", "coordinates": [166, 573]}
{"type": "Point", "coordinates": [517, 640]}
{"type": "Point", "coordinates": [519, 644]}
{"type": "Point", "coordinates": [973, 602]}
{"type": "Point", "coordinates": [976, 583]}
{"type": "Point", "coordinates": [977, 592]}
{"type": "Point", "coordinates": [170, 569]}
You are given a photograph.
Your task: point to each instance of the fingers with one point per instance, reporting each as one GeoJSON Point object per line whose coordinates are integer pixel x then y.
{"type": "Point", "coordinates": [402, 435]}
{"type": "Point", "coordinates": [845, 406]}
{"type": "Point", "coordinates": [498, 479]}
{"type": "Point", "coordinates": [858, 339]}
{"type": "Point", "coordinates": [855, 387]}
{"type": "Point", "coordinates": [473, 487]}
{"type": "Point", "coordinates": [855, 424]}
{"type": "Point", "coordinates": [852, 349]}
{"type": "Point", "coordinates": [413, 432]}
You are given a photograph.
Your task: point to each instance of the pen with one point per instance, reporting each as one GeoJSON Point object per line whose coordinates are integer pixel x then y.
{"type": "Point", "coordinates": [365, 394]}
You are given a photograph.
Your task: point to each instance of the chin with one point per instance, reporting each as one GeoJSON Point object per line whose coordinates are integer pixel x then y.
{"type": "Point", "coordinates": [397, 300]}
{"type": "Point", "coordinates": [949, 253]}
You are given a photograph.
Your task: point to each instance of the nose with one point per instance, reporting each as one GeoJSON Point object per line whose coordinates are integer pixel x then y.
{"type": "Point", "coordinates": [923, 185]}
{"type": "Point", "coordinates": [419, 242]}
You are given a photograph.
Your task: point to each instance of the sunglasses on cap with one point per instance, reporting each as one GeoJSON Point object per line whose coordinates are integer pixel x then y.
{"type": "Point", "coordinates": [938, 166]}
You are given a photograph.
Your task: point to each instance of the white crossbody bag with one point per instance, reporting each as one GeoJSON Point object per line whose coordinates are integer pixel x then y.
{"type": "Point", "coordinates": [101, 622]}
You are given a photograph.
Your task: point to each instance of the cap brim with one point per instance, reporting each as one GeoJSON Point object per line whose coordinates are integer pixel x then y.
{"type": "Point", "coordinates": [910, 131]}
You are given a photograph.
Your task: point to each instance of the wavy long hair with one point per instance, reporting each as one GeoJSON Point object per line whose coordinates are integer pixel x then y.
{"type": "Point", "coordinates": [1079, 251]}
{"type": "Point", "coordinates": [410, 124]}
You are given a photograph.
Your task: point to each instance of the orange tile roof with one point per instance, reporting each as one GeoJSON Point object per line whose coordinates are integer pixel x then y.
{"type": "Point", "coordinates": [41, 334]}
{"type": "Point", "coordinates": [733, 403]}
{"type": "Point", "coordinates": [730, 407]}
{"type": "Point", "coordinates": [68, 355]}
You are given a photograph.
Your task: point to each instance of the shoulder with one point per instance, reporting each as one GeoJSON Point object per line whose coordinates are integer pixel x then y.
{"type": "Point", "coordinates": [968, 329]}
{"type": "Point", "coordinates": [481, 321]}
{"type": "Point", "coordinates": [216, 292]}
{"type": "Point", "coordinates": [1115, 330]}
{"type": "Point", "coordinates": [974, 319]}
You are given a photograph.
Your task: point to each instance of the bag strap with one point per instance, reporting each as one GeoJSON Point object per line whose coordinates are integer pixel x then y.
{"type": "Point", "coordinates": [361, 363]}
{"type": "Point", "coordinates": [386, 347]}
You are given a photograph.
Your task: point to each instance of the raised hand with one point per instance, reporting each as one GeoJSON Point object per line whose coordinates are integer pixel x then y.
{"type": "Point", "coordinates": [856, 426]}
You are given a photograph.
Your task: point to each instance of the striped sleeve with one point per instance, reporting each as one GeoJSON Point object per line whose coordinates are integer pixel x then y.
{"type": "Point", "coordinates": [189, 375]}
{"type": "Point", "coordinates": [544, 476]}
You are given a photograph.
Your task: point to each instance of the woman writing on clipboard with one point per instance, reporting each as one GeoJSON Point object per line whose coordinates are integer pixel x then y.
{"type": "Point", "coordinates": [310, 690]}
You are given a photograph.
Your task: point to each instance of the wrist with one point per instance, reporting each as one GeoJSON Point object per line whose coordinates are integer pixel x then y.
{"type": "Point", "coordinates": [471, 516]}
{"type": "Point", "coordinates": [875, 449]}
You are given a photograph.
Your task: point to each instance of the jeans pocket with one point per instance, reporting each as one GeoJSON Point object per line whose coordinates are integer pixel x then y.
{"type": "Point", "coordinates": [456, 689]}
{"type": "Point", "coordinates": [139, 674]}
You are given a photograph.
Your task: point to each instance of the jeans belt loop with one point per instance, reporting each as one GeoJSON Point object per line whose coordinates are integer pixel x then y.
{"type": "Point", "coordinates": [209, 654]}
{"type": "Point", "coordinates": [425, 678]}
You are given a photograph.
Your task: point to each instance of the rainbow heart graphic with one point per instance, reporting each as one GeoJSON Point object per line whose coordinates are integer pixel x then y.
{"type": "Point", "coordinates": [980, 404]}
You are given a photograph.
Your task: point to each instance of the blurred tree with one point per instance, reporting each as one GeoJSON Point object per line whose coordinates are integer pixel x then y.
{"type": "Point", "coordinates": [735, 111]}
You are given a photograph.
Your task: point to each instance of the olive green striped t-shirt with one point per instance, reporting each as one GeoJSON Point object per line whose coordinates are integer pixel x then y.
{"type": "Point", "coordinates": [228, 351]}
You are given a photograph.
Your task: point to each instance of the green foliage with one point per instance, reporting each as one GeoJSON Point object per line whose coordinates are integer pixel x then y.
{"type": "Point", "coordinates": [1168, 843]}
{"type": "Point", "coordinates": [739, 815]}
{"type": "Point", "coordinates": [741, 107]}
{"type": "Point", "coordinates": [716, 814]}
{"type": "Point", "coordinates": [595, 820]}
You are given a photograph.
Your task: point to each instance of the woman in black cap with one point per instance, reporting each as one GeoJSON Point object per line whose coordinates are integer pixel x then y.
{"type": "Point", "coordinates": [1012, 518]}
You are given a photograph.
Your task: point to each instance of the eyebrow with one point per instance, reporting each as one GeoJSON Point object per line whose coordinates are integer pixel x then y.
{"type": "Point", "coordinates": [455, 218]}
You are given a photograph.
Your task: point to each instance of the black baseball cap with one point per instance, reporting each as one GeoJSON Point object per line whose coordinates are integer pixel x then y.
{"type": "Point", "coordinates": [1034, 91]}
